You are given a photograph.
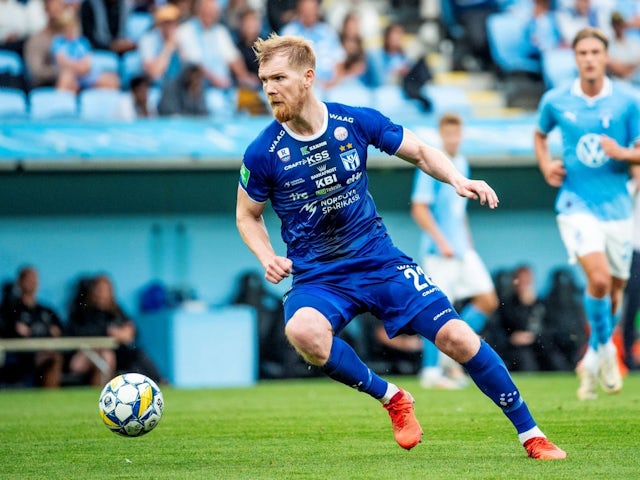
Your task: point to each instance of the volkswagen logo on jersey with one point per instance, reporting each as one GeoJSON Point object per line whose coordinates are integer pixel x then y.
{"type": "Point", "coordinates": [590, 152]}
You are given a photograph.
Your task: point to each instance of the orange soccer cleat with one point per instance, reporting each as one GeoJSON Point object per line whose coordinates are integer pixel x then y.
{"type": "Point", "coordinates": [406, 429]}
{"type": "Point", "coordinates": [541, 448]}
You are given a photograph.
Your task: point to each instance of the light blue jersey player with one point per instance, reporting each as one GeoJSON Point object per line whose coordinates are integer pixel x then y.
{"type": "Point", "coordinates": [600, 124]}
{"type": "Point", "coordinates": [448, 255]}
{"type": "Point", "coordinates": [310, 164]}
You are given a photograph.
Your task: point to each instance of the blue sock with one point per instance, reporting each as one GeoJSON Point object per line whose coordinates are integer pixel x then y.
{"type": "Point", "coordinates": [474, 317]}
{"type": "Point", "coordinates": [490, 374]}
{"type": "Point", "coordinates": [598, 312]}
{"type": "Point", "coordinates": [430, 354]}
{"type": "Point", "coordinates": [345, 366]}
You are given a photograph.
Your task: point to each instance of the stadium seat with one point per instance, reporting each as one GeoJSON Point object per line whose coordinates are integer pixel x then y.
{"type": "Point", "coordinates": [507, 44]}
{"type": "Point", "coordinates": [352, 93]}
{"type": "Point", "coordinates": [137, 24]}
{"type": "Point", "coordinates": [391, 101]}
{"type": "Point", "coordinates": [99, 103]}
{"type": "Point", "coordinates": [11, 63]}
{"type": "Point", "coordinates": [448, 98]}
{"type": "Point", "coordinates": [221, 103]}
{"type": "Point", "coordinates": [13, 103]}
{"type": "Point", "coordinates": [105, 61]}
{"type": "Point", "coordinates": [130, 66]}
{"type": "Point", "coordinates": [558, 67]}
{"type": "Point", "coordinates": [49, 102]}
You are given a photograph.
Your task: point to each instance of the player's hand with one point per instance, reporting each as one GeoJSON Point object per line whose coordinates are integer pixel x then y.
{"type": "Point", "coordinates": [445, 249]}
{"type": "Point", "coordinates": [611, 148]}
{"type": "Point", "coordinates": [278, 269]}
{"type": "Point", "coordinates": [554, 173]}
{"type": "Point", "coordinates": [478, 190]}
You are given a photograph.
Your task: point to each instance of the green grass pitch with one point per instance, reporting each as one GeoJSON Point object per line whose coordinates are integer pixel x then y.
{"type": "Point", "coordinates": [318, 429]}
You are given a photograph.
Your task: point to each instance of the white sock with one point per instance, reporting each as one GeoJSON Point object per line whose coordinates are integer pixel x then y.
{"type": "Point", "coordinates": [391, 391]}
{"type": "Point", "coordinates": [529, 434]}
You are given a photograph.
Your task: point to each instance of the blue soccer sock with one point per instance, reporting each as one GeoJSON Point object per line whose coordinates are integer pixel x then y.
{"type": "Point", "coordinates": [346, 367]}
{"type": "Point", "coordinates": [474, 317]}
{"type": "Point", "coordinates": [490, 374]}
{"type": "Point", "coordinates": [598, 312]}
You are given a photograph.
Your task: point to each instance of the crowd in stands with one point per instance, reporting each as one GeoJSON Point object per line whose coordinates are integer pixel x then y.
{"type": "Point", "coordinates": [198, 52]}
{"type": "Point", "coordinates": [93, 312]}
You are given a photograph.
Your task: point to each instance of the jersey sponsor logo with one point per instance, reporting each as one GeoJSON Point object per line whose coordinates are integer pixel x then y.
{"type": "Point", "coordinates": [324, 191]}
{"type": "Point", "coordinates": [306, 149]}
{"type": "Point", "coordinates": [444, 312]}
{"type": "Point", "coordinates": [284, 154]}
{"type": "Point", "coordinates": [340, 118]}
{"type": "Point", "coordinates": [590, 152]}
{"type": "Point", "coordinates": [323, 172]}
{"type": "Point", "coordinates": [299, 196]}
{"type": "Point", "coordinates": [309, 208]}
{"type": "Point", "coordinates": [354, 178]}
{"type": "Point", "coordinates": [296, 164]}
{"type": "Point", "coordinates": [316, 158]}
{"type": "Point", "coordinates": [340, 133]}
{"type": "Point", "coordinates": [275, 143]}
{"type": "Point", "coordinates": [293, 183]}
{"type": "Point", "coordinates": [326, 181]}
{"type": "Point", "coordinates": [245, 173]}
{"type": "Point", "coordinates": [339, 201]}
{"type": "Point", "coordinates": [350, 160]}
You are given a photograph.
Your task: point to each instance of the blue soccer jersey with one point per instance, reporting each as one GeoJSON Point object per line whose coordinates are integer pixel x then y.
{"type": "Point", "coordinates": [447, 207]}
{"type": "Point", "coordinates": [594, 183]}
{"type": "Point", "coordinates": [318, 185]}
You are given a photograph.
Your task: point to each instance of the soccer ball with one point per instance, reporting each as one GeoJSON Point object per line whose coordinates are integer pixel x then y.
{"type": "Point", "coordinates": [131, 404]}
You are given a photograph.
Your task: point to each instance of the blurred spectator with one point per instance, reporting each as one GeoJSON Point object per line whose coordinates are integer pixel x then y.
{"type": "Point", "coordinates": [564, 334]}
{"type": "Point", "coordinates": [542, 30]}
{"type": "Point", "coordinates": [355, 65]}
{"type": "Point", "coordinates": [632, 289]}
{"type": "Point", "coordinates": [390, 62]}
{"type": "Point", "coordinates": [104, 24]}
{"type": "Point", "coordinates": [235, 9]}
{"type": "Point", "coordinates": [25, 317]}
{"type": "Point", "coordinates": [521, 317]}
{"type": "Point", "coordinates": [367, 14]}
{"type": "Point", "coordinates": [184, 94]}
{"type": "Point", "coordinates": [72, 54]}
{"type": "Point", "coordinates": [18, 20]}
{"type": "Point", "coordinates": [136, 102]}
{"type": "Point", "coordinates": [624, 51]}
{"type": "Point", "coordinates": [249, 29]}
{"type": "Point", "coordinates": [582, 14]}
{"type": "Point", "coordinates": [96, 312]}
{"type": "Point", "coordinates": [308, 24]}
{"type": "Point", "coordinates": [279, 13]}
{"type": "Point", "coordinates": [43, 70]}
{"type": "Point", "coordinates": [203, 40]}
{"type": "Point", "coordinates": [185, 7]}
{"type": "Point", "coordinates": [158, 47]}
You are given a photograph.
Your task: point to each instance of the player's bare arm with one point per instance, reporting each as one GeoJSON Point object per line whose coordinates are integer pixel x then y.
{"type": "Point", "coordinates": [614, 150]}
{"type": "Point", "coordinates": [552, 170]}
{"type": "Point", "coordinates": [253, 231]}
{"type": "Point", "coordinates": [422, 215]}
{"type": "Point", "coordinates": [435, 163]}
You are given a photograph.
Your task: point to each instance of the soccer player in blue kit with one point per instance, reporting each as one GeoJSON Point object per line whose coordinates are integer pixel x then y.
{"type": "Point", "coordinates": [310, 163]}
{"type": "Point", "coordinates": [600, 124]}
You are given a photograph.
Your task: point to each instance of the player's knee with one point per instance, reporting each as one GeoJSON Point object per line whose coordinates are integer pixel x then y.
{"type": "Point", "coordinates": [457, 340]}
{"type": "Point", "coordinates": [599, 284]}
{"type": "Point", "coordinates": [310, 338]}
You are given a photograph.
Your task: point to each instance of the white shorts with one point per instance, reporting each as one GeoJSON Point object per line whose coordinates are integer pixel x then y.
{"type": "Point", "coordinates": [582, 233]}
{"type": "Point", "coordinates": [459, 278]}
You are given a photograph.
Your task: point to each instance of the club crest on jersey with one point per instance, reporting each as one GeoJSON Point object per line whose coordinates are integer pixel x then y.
{"type": "Point", "coordinates": [350, 160]}
{"type": "Point", "coordinates": [284, 154]}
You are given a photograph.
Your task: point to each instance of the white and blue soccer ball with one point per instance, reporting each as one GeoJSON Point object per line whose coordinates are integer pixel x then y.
{"type": "Point", "coordinates": [131, 404]}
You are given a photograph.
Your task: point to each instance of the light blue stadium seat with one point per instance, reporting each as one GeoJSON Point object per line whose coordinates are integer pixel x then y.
{"type": "Point", "coordinates": [99, 103]}
{"type": "Point", "coordinates": [558, 67]}
{"type": "Point", "coordinates": [106, 61]}
{"type": "Point", "coordinates": [130, 67]}
{"type": "Point", "coordinates": [137, 23]}
{"type": "Point", "coordinates": [448, 98]}
{"type": "Point", "coordinates": [13, 103]}
{"type": "Point", "coordinates": [10, 62]}
{"type": "Point", "coordinates": [350, 92]}
{"type": "Point", "coordinates": [392, 102]}
{"type": "Point", "coordinates": [221, 103]}
{"type": "Point", "coordinates": [49, 102]}
{"type": "Point", "coordinates": [507, 43]}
